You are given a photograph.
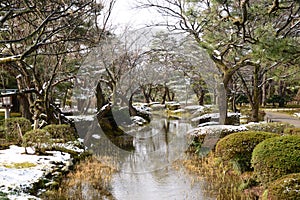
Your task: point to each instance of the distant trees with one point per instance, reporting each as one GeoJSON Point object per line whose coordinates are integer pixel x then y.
{"type": "Point", "coordinates": [42, 44]}
{"type": "Point", "coordinates": [256, 35]}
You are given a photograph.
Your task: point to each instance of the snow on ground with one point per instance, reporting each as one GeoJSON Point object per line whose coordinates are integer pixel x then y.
{"type": "Point", "coordinates": [138, 120]}
{"type": "Point", "coordinates": [19, 171]}
{"type": "Point", "coordinates": [79, 118]}
{"type": "Point", "coordinates": [194, 107]}
{"type": "Point", "coordinates": [213, 116]}
{"type": "Point", "coordinates": [209, 130]}
{"type": "Point", "coordinates": [96, 136]}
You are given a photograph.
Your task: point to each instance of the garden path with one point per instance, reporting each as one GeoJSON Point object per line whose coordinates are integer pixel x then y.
{"type": "Point", "coordinates": [282, 117]}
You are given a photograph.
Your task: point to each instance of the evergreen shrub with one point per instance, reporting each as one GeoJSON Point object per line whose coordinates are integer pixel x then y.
{"type": "Point", "coordinates": [238, 147]}
{"type": "Point", "coordinates": [39, 139]}
{"type": "Point", "coordinates": [61, 132]}
{"type": "Point", "coordinates": [15, 127]}
{"type": "Point", "coordinates": [276, 157]}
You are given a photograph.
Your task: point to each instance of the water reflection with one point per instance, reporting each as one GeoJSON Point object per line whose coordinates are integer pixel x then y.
{"type": "Point", "coordinates": [147, 172]}
{"type": "Point", "coordinates": [162, 184]}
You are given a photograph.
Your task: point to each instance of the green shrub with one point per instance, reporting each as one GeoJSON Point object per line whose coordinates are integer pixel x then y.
{"type": "Point", "coordinates": [39, 139]}
{"type": "Point", "coordinates": [61, 132]}
{"type": "Point", "coordinates": [16, 126]}
{"type": "Point", "coordinates": [287, 187]}
{"type": "Point", "coordinates": [12, 115]}
{"type": "Point", "coordinates": [238, 147]}
{"type": "Point", "coordinates": [273, 127]}
{"type": "Point", "coordinates": [276, 157]}
{"type": "Point", "coordinates": [292, 131]}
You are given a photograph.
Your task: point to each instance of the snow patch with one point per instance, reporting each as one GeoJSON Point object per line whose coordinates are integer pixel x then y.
{"type": "Point", "coordinates": [95, 136]}
{"type": "Point", "coordinates": [19, 171]}
{"type": "Point", "coordinates": [209, 130]}
{"type": "Point", "coordinates": [79, 118]}
{"type": "Point", "coordinates": [138, 120]}
{"type": "Point", "coordinates": [297, 115]}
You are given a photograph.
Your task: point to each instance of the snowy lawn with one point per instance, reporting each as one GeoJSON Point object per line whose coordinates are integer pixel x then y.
{"type": "Point", "coordinates": [19, 171]}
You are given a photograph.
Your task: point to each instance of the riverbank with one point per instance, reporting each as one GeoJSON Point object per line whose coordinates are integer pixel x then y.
{"type": "Point", "coordinates": [28, 176]}
{"type": "Point", "coordinates": [249, 164]}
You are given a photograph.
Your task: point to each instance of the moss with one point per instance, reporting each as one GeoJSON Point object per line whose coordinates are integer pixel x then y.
{"type": "Point", "coordinates": [273, 127]}
{"type": "Point", "coordinates": [63, 132]}
{"type": "Point", "coordinates": [276, 157]}
{"type": "Point", "coordinates": [287, 187]}
{"type": "Point", "coordinates": [238, 147]}
{"type": "Point", "coordinates": [20, 165]}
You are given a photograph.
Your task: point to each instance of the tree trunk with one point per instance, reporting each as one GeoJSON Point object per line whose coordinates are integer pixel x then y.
{"type": "Point", "coordinates": [264, 91]}
{"type": "Point", "coordinates": [25, 107]}
{"type": "Point", "coordinates": [256, 95]}
{"type": "Point", "coordinates": [164, 97]}
{"type": "Point", "coordinates": [105, 116]}
{"type": "Point", "coordinates": [146, 93]}
{"type": "Point", "coordinates": [132, 110]}
{"type": "Point", "coordinates": [200, 94]}
{"type": "Point", "coordinates": [114, 94]}
{"type": "Point", "coordinates": [222, 98]}
{"type": "Point", "coordinates": [100, 97]}
{"type": "Point", "coordinates": [24, 103]}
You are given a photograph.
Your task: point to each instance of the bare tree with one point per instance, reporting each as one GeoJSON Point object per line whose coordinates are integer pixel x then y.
{"type": "Point", "coordinates": [42, 44]}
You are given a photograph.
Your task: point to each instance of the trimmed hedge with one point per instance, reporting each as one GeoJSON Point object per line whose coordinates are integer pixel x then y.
{"type": "Point", "coordinates": [61, 132]}
{"type": "Point", "coordinates": [13, 126]}
{"type": "Point", "coordinates": [273, 127]}
{"type": "Point", "coordinates": [292, 131]}
{"type": "Point", "coordinates": [276, 157]}
{"type": "Point", "coordinates": [238, 147]}
{"type": "Point", "coordinates": [287, 187]}
{"type": "Point", "coordinates": [39, 139]}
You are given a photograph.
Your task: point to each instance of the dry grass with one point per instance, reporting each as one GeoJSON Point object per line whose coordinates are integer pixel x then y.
{"type": "Point", "coordinates": [90, 180]}
{"type": "Point", "coordinates": [220, 180]}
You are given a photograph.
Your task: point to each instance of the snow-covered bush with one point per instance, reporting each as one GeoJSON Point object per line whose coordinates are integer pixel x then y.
{"type": "Point", "coordinates": [287, 187]}
{"type": "Point", "coordinates": [273, 127]}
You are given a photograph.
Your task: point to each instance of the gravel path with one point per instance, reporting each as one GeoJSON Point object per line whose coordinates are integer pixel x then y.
{"type": "Point", "coordinates": [282, 117]}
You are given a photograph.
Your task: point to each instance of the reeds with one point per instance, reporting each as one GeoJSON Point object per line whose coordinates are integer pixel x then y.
{"type": "Point", "coordinates": [90, 180]}
{"type": "Point", "coordinates": [220, 180]}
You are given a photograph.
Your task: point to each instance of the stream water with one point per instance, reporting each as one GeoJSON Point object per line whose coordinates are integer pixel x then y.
{"type": "Point", "coordinates": [148, 171]}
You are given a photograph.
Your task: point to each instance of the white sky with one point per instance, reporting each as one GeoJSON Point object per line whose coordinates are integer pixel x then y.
{"type": "Point", "coordinates": [125, 13]}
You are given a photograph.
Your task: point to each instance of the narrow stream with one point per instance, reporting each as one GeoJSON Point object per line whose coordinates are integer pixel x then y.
{"type": "Point", "coordinates": [148, 171]}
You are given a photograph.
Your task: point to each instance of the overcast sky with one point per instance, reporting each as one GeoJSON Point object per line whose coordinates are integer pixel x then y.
{"type": "Point", "coordinates": [126, 13]}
